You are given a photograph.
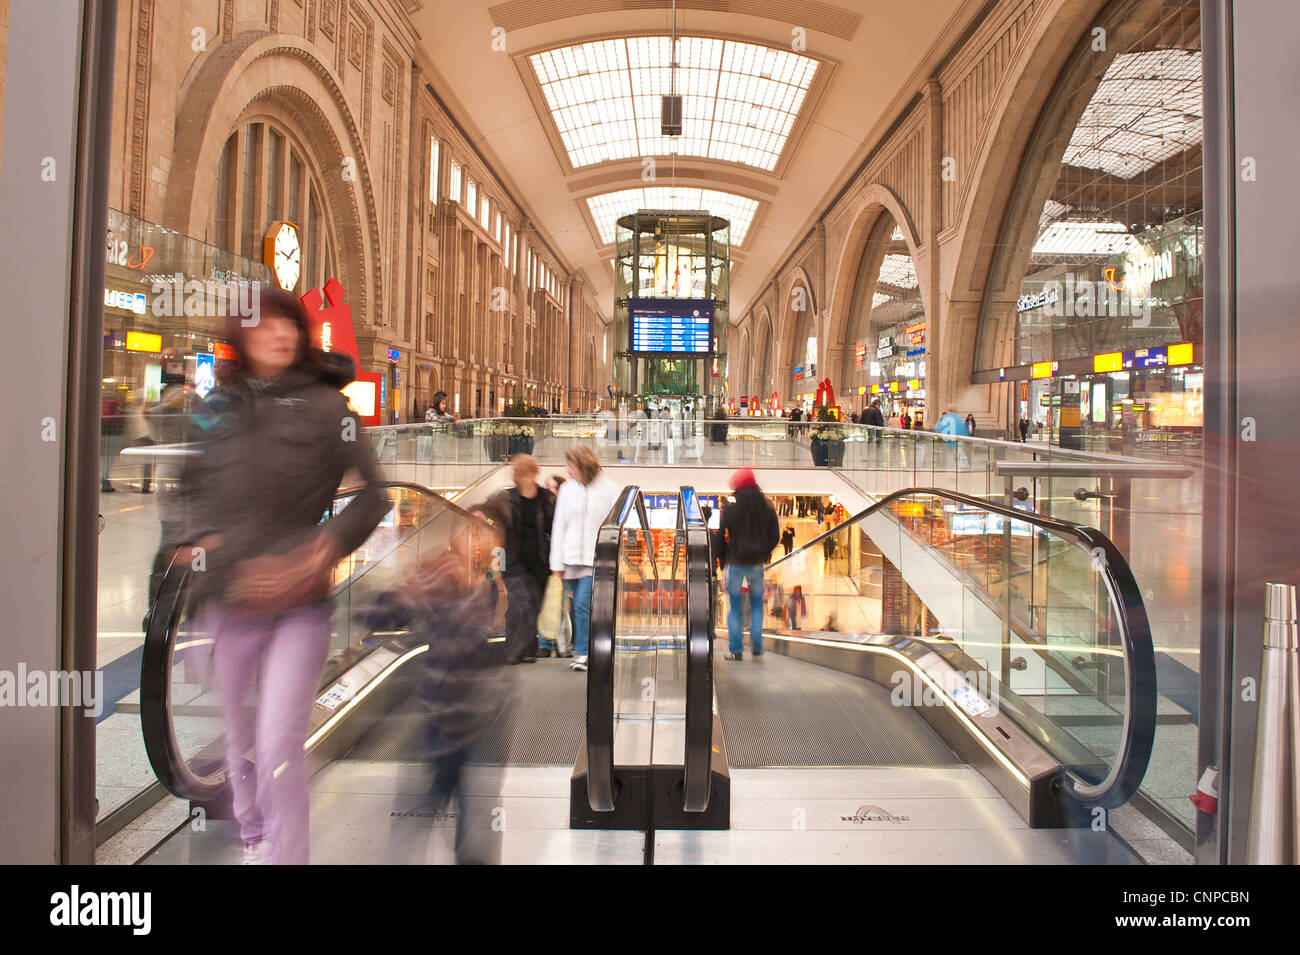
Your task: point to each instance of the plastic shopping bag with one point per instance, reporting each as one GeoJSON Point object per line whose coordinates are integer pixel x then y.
{"type": "Point", "coordinates": [549, 620]}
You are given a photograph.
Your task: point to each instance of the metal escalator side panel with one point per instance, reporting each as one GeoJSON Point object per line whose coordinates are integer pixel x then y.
{"type": "Point", "coordinates": [699, 656]}
{"type": "Point", "coordinates": [600, 653]}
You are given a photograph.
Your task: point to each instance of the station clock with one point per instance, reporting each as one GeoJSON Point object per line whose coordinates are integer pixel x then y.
{"type": "Point", "coordinates": [282, 252]}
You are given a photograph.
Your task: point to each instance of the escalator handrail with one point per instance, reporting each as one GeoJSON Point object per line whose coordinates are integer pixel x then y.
{"type": "Point", "coordinates": [1138, 738]}
{"type": "Point", "coordinates": [158, 728]}
{"type": "Point", "coordinates": [600, 651]}
{"type": "Point", "coordinates": [697, 770]}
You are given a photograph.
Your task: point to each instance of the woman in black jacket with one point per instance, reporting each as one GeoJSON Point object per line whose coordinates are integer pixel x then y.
{"type": "Point", "coordinates": [275, 442]}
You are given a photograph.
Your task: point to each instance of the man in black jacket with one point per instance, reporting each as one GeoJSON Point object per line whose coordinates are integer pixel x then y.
{"type": "Point", "coordinates": [526, 511]}
{"type": "Point", "coordinates": [751, 531]}
{"type": "Point", "coordinates": [876, 419]}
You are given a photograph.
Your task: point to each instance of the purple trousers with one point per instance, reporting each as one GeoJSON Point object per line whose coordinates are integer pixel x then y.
{"type": "Point", "coordinates": [280, 658]}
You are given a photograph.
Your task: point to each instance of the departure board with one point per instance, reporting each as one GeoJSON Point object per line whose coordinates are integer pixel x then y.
{"type": "Point", "coordinates": [673, 326]}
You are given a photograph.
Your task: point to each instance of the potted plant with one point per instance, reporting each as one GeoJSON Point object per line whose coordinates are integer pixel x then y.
{"type": "Point", "coordinates": [519, 434]}
{"type": "Point", "coordinates": [827, 437]}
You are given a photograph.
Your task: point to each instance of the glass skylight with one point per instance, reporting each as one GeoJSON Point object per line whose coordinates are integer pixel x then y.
{"type": "Point", "coordinates": [1103, 239]}
{"type": "Point", "coordinates": [607, 207]}
{"type": "Point", "coordinates": [1146, 109]}
{"type": "Point", "coordinates": [739, 100]}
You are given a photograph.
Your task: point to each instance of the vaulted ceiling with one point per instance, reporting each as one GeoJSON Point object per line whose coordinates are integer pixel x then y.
{"type": "Point", "coordinates": [782, 100]}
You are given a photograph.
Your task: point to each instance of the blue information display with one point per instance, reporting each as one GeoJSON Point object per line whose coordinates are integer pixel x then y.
{"type": "Point", "coordinates": [672, 325]}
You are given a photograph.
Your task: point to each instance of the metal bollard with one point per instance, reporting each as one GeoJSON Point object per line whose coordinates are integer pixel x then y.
{"type": "Point", "coordinates": [1275, 801]}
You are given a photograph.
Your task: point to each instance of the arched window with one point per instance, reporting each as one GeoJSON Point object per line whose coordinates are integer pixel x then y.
{"type": "Point", "coordinates": [264, 176]}
{"type": "Point", "coordinates": [885, 337]}
{"type": "Point", "coordinates": [1101, 249]}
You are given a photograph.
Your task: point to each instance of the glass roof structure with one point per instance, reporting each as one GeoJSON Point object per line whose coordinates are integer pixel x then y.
{"type": "Point", "coordinates": [739, 100]}
{"type": "Point", "coordinates": [1102, 239]}
{"type": "Point", "coordinates": [1146, 109]}
{"type": "Point", "coordinates": [607, 207]}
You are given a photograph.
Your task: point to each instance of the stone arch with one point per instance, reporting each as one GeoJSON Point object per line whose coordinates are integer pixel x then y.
{"type": "Point", "coordinates": [1045, 52]}
{"type": "Point", "coordinates": [877, 200]}
{"type": "Point", "coordinates": [744, 361]}
{"type": "Point", "coordinates": [252, 70]}
{"type": "Point", "coordinates": [794, 326]}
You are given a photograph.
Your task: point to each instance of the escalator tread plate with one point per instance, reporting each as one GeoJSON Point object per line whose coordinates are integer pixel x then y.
{"type": "Point", "coordinates": [781, 712]}
{"type": "Point", "coordinates": [541, 727]}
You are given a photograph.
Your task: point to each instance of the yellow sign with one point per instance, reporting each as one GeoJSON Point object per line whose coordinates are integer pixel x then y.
{"type": "Point", "coordinates": [910, 509]}
{"type": "Point", "coordinates": [1111, 361]}
{"type": "Point", "coordinates": [1180, 354]}
{"type": "Point", "coordinates": [143, 341]}
{"type": "Point", "coordinates": [875, 389]}
{"type": "Point", "coordinates": [893, 386]}
{"type": "Point", "coordinates": [862, 389]}
{"type": "Point", "coordinates": [1042, 369]}
{"type": "Point", "coordinates": [914, 383]}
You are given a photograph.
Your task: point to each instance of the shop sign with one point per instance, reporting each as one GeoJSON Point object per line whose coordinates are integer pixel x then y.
{"type": "Point", "coordinates": [143, 341]}
{"type": "Point", "coordinates": [912, 353]}
{"type": "Point", "coordinates": [860, 353]}
{"type": "Point", "coordinates": [1112, 361]}
{"type": "Point", "coordinates": [1043, 369]}
{"type": "Point", "coordinates": [127, 301]}
{"type": "Point", "coordinates": [916, 334]}
{"type": "Point", "coordinates": [1048, 296]}
{"type": "Point", "coordinates": [394, 356]}
{"type": "Point", "coordinates": [1156, 357]}
{"type": "Point", "coordinates": [1180, 354]}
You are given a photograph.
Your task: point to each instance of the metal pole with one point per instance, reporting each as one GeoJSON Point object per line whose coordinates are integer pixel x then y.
{"type": "Point", "coordinates": [1274, 823]}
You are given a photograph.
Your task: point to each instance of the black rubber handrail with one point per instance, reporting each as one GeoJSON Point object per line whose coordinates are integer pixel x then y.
{"type": "Point", "coordinates": [169, 764]}
{"type": "Point", "coordinates": [1130, 765]}
{"type": "Point", "coordinates": [699, 652]}
{"type": "Point", "coordinates": [600, 650]}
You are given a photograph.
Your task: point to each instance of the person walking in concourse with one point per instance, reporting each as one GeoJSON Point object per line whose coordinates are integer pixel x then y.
{"type": "Point", "coordinates": [751, 531]}
{"type": "Point", "coordinates": [525, 511]}
{"type": "Point", "coordinates": [583, 504]}
{"type": "Point", "coordinates": [276, 440]}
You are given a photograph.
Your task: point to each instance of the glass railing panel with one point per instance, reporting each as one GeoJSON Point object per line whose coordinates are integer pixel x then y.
{"type": "Point", "coordinates": [417, 528]}
{"type": "Point", "coordinates": [1025, 602]}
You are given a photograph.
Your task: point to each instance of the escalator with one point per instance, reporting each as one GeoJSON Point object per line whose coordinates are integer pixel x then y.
{"type": "Point", "coordinates": [957, 680]}
{"type": "Point", "coordinates": [368, 737]}
{"type": "Point", "coordinates": [935, 633]}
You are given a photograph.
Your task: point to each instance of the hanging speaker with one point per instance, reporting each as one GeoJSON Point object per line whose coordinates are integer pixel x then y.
{"type": "Point", "coordinates": [671, 116]}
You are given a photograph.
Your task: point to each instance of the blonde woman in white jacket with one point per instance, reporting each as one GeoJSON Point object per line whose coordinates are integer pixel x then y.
{"type": "Point", "coordinates": [580, 508]}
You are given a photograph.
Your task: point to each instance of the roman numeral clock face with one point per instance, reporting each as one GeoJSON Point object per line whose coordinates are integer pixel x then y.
{"type": "Point", "coordinates": [283, 254]}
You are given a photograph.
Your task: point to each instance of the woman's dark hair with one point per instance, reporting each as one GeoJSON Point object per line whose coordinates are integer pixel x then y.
{"type": "Point", "coordinates": [438, 398]}
{"type": "Point", "coordinates": [282, 304]}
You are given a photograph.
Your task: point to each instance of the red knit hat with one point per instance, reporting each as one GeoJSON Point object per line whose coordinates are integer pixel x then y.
{"type": "Point", "coordinates": [742, 478]}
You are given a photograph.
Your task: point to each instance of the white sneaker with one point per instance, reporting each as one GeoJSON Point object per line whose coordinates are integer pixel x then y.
{"type": "Point", "coordinates": [257, 853]}
{"type": "Point", "coordinates": [579, 663]}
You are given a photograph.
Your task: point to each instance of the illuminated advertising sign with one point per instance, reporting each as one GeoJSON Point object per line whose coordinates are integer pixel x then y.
{"type": "Point", "coordinates": [363, 397]}
{"type": "Point", "coordinates": [1156, 357]}
{"type": "Point", "coordinates": [143, 341]}
{"type": "Point", "coordinates": [205, 373]}
{"type": "Point", "coordinates": [1180, 354]}
{"type": "Point", "coordinates": [860, 353]}
{"type": "Point", "coordinates": [1042, 369]}
{"type": "Point", "coordinates": [916, 334]}
{"type": "Point", "coordinates": [1113, 361]}
{"type": "Point", "coordinates": [127, 301]}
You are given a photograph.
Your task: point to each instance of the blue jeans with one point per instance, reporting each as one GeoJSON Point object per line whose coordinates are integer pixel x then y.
{"type": "Point", "coordinates": [579, 594]}
{"type": "Point", "coordinates": [736, 575]}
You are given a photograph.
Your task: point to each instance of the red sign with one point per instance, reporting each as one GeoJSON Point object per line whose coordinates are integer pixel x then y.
{"type": "Point", "coordinates": [332, 327]}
